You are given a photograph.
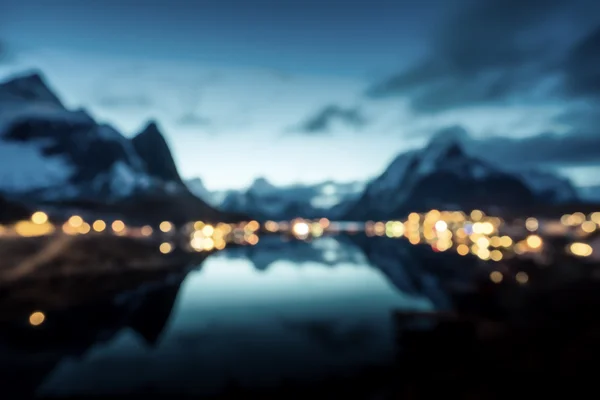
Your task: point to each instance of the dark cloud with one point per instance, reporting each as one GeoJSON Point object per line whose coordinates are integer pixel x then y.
{"type": "Point", "coordinates": [582, 67]}
{"type": "Point", "coordinates": [125, 101]}
{"type": "Point", "coordinates": [491, 52]}
{"type": "Point", "coordinates": [548, 148]}
{"type": "Point", "coordinates": [192, 119]}
{"type": "Point", "coordinates": [321, 121]}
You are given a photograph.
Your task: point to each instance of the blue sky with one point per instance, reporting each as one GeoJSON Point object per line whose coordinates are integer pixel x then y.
{"type": "Point", "coordinates": [312, 90]}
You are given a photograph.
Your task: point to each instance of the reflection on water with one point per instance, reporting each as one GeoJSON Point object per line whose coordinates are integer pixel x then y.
{"type": "Point", "coordinates": [276, 311]}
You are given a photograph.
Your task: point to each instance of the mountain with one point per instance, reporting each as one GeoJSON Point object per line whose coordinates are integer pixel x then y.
{"type": "Point", "coordinates": [554, 188]}
{"type": "Point", "coordinates": [214, 198]}
{"type": "Point", "coordinates": [443, 175]}
{"type": "Point", "coordinates": [55, 153]}
{"type": "Point", "coordinates": [152, 147]}
{"type": "Point", "coordinates": [63, 158]}
{"type": "Point", "coordinates": [590, 194]}
{"type": "Point", "coordinates": [264, 200]}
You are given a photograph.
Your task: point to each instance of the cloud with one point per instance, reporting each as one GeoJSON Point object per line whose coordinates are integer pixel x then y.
{"type": "Point", "coordinates": [583, 117]}
{"type": "Point", "coordinates": [6, 52]}
{"type": "Point", "coordinates": [492, 52]}
{"type": "Point", "coordinates": [546, 148]}
{"type": "Point", "coordinates": [322, 121]}
{"type": "Point", "coordinates": [191, 119]}
{"type": "Point", "coordinates": [125, 101]}
{"type": "Point", "coordinates": [582, 67]}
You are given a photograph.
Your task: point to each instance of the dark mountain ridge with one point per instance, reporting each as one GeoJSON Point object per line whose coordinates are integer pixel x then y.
{"type": "Point", "coordinates": [58, 157]}
{"type": "Point", "coordinates": [443, 175]}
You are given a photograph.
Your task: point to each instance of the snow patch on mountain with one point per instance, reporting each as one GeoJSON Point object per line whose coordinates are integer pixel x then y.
{"type": "Point", "coordinates": [29, 168]}
{"type": "Point", "coordinates": [550, 185]}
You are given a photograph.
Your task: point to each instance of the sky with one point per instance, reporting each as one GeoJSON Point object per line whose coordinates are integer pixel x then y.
{"type": "Point", "coordinates": [311, 90]}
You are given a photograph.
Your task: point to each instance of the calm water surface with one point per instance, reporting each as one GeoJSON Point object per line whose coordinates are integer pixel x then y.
{"type": "Point", "coordinates": [253, 317]}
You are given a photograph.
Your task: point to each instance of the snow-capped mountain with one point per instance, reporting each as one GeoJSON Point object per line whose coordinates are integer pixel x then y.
{"type": "Point", "coordinates": [263, 200]}
{"type": "Point", "coordinates": [55, 153]}
{"type": "Point", "coordinates": [444, 175]}
{"type": "Point", "coordinates": [52, 155]}
{"type": "Point", "coordinates": [214, 198]}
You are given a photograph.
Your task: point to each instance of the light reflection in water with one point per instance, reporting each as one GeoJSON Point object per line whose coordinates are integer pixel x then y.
{"type": "Point", "coordinates": [232, 321]}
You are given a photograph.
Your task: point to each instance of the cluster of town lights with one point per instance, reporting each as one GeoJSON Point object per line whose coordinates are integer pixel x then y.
{"type": "Point", "coordinates": [486, 237]}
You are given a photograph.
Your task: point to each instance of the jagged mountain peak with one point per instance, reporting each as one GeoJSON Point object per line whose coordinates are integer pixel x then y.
{"type": "Point", "coordinates": [446, 143]}
{"type": "Point", "coordinates": [450, 135]}
{"type": "Point", "coordinates": [152, 147]}
{"type": "Point", "coordinates": [151, 128]}
{"type": "Point", "coordinates": [29, 87]}
{"type": "Point", "coordinates": [261, 184]}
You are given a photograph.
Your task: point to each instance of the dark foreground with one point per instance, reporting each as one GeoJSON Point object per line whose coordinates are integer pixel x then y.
{"type": "Point", "coordinates": [498, 340]}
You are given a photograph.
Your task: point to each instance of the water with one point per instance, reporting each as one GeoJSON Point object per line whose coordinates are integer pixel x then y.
{"type": "Point", "coordinates": [252, 316]}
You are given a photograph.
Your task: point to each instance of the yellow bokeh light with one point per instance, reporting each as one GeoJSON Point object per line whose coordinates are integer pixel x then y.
{"type": "Point", "coordinates": [487, 228]}
{"type": "Point", "coordinates": [414, 218]}
{"type": "Point", "coordinates": [84, 228]}
{"type": "Point", "coordinates": [495, 241]}
{"type": "Point", "coordinates": [461, 233]}
{"type": "Point", "coordinates": [520, 248]}
{"type": "Point", "coordinates": [441, 226]}
{"type": "Point", "coordinates": [532, 224]}
{"type": "Point", "coordinates": [476, 215]}
{"type": "Point", "coordinates": [581, 249]}
{"type": "Point", "coordinates": [146, 230]}
{"type": "Point", "coordinates": [198, 225]}
{"type": "Point", "coordinates": [39, 217]}
{"type": "Point", "coordinates": [271, 226]}
{"type": "Point", "coordinates": [496, 255]}
{"type": "Point", "coordinates": [522, 277]}
{"type": "Point", "coordinates": [208, 244]}
{"type": "Point", "coordinates": [595, 217]}
{"type": "Point", "coordinates": [588, 227]}
{"type": "Point", "coordinates": [484, 254]}
{"type": "Point", "coordinates": [118, 226]}
{"type": "Point", "coordinates": [165, 226]}
{"type": "Point", "coordinates": [75, 221]}
{"type": "Point", "coordinates": [37, 318]}
{"type": "Point", "coordinates": [578, 218]}
{"type": "Point", "coordinates": [462, 249]}
{"type": "Point", "coordinates": [301, 228]}
{"type": "Point", "coordinates": [534, 242]}
{"type": "Point", "coordinates": [165, 248]}
{"type": "Point", "coordinates": [506, 241]}
{"type": "Point", "coordinates": [414, 239]}
{"type": "Point", "coordinates": [99, 225]}
{"type": "Point", "coordinates": [208, 230]}
{"type": "Point", "coordinates": [252, 239]}
{"type": "Point", "coordinates": [30, 229]}
{"type": "Point", "coordinates": [68, 229]}
{"type": "Point", "coordinates": [496, 276]}
{"type": "Point", "coordinates": [397, 229]}
{"type": "Point", "coordinates": [483, 242]}
{"type": "Point", "coordinates": [316, 229]}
